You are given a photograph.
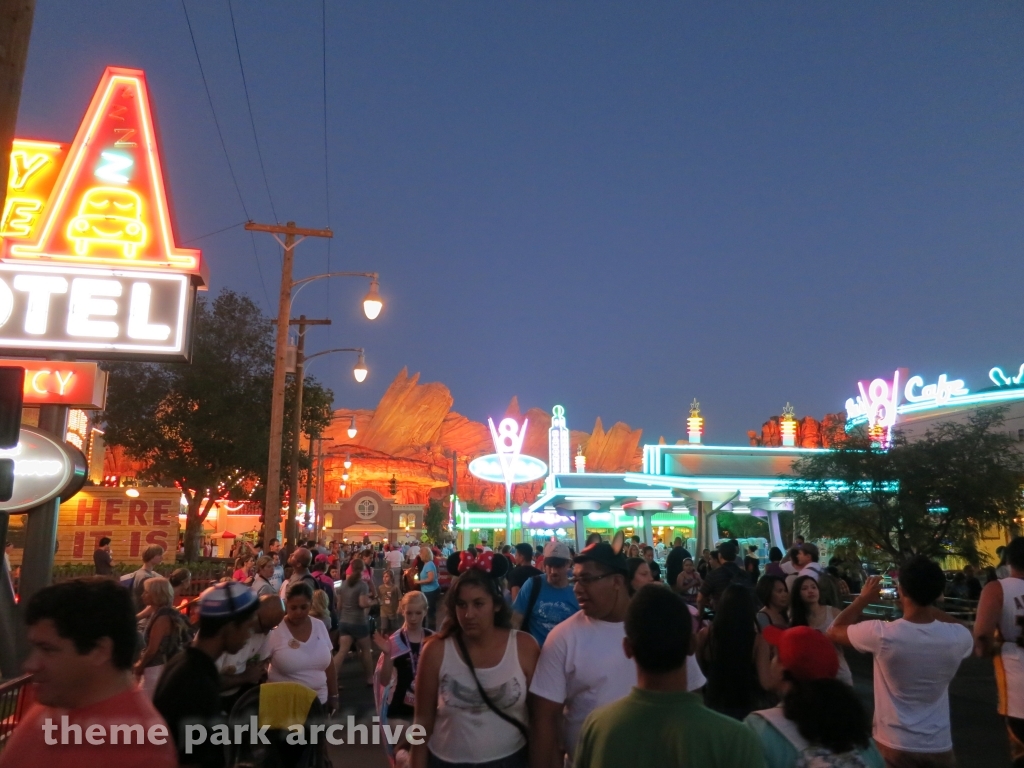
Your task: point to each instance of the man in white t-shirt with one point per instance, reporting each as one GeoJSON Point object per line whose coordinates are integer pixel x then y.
{"type": "Point", "coordinates": [394, 557]}
{"type": "Point", "coordinates": [916, 657]}
{"type": "Point", "coordinates": [582, 666]}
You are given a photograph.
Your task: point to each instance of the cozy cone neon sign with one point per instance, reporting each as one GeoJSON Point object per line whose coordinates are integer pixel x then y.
{"type": "Point", "coordinates": [90, 264]}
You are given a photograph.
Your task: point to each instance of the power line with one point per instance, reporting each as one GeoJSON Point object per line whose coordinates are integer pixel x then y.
{"type": "Point", "coordinates": [211, 234]}
{"type": "Point", "coordinates": [327, 169]}
{"type": "Point", "coordinates": [223, 146]}
{"type": "Point", "coordinates": [248, 103]}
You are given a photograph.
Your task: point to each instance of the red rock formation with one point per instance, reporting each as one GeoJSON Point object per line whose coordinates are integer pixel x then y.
{"type": "Point", "coordinates": [810, 432]}
{"type": "Point", "coordinates": [413, 433]}
{"type": "Point", "coordinates": [612, 451]}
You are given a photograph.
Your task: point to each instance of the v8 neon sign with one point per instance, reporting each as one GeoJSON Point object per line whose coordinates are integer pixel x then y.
{"type": "Point", "coordinates": [508, 443]}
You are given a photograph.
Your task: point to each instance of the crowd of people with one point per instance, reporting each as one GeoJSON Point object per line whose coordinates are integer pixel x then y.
{"type": "Point", "coordinates": [511, 658]}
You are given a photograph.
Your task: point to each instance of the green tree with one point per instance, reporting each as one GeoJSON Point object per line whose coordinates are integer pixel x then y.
{"type": "Point", "coordinates": [205, 426]}
{"type": "Point", "coordinates": [434, 517]}
{"type": "Point", "coordinates": [934, 496]}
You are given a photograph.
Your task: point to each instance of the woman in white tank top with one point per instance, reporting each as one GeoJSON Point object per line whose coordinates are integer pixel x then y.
{"type": "Point", "coordinates": [475, 713]}
{"type": "Point", "coordinates": [998, 632]}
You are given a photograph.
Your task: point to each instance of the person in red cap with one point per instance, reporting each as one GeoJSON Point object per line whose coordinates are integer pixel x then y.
{"type": "Point", "coordinates": [820, 721]}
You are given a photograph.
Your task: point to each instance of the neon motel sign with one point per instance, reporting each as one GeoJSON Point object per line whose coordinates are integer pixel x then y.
{"type": "Point", "coordinates": [89, 261]}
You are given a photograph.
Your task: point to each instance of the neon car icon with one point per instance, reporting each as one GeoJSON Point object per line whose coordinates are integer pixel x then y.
{"type": "Point", "coordinates": [108, 217]}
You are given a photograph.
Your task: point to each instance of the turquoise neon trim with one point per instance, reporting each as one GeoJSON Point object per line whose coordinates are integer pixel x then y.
{"type": "Point", "coordinates": [981, 398]}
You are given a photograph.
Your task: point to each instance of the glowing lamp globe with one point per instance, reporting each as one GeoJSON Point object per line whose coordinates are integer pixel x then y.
{"type": "Point", "coordinates": [373, 303]}
{"type": "Point", "coordinates": [360, 370]}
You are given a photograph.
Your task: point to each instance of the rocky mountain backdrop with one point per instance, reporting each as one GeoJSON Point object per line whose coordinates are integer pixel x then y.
{"type": "Point", "coordinates": [413, 434]}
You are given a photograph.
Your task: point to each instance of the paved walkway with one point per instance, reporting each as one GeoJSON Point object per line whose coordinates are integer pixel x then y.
{"type": "Point", "coordinates": [979, 737]}
{"type": "Point", "coordinates": [356, 699]}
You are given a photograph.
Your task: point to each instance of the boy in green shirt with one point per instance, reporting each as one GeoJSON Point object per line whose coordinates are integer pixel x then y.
{"type": "Point", "coordinates": [673, 728]}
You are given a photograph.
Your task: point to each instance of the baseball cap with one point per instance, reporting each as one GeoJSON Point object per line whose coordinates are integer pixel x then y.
{"type": "Point", "coordinates": [805, 653]}
{"type": "Point", "coordinates": [602, 553]}
{"type": "Point", "coordinates": [558, 550]}
{"type": "Point", "coordinates": [227, 599]}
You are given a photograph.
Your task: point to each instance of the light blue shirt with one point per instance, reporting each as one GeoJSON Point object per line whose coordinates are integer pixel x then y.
{"type": "Point", "coordinates": [430, 586]}
{"type": "Point", "coordinates": [553, 606]}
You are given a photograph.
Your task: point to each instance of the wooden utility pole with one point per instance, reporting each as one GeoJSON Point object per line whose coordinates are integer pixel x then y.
{"type": "Point", "coordinates": [272, 505]}
{"type": "Point", "coordinates": [291, 532]}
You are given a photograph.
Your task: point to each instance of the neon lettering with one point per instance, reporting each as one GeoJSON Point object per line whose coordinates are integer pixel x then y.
{"type": "Point", "coordinates": [940, 392]}
{"type": "Point", "coordinates": [115, 162]}
{"type": "Point", "coordinates": [23, 167]}
{"type": "Point", "coordinates": [68, 224]}
{"type": "Point", "coordinates": [126, 133]}
{"type": "Point", "coordinates": [63, 383]}
{"type": "Point", "coordinates": [84, 304]}
{"type": "Point", "coordinates": [39, 289]}
{"type": "Point", "coordinates": [1000, 379]}
{"type": "Point", "coordinates": [139, 326]}
{"type": "Point", "coordinates": [20, 214]}
{"type": "Point", "coordinates": [35, 382]}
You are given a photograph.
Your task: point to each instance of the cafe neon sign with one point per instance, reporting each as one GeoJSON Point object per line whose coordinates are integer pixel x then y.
{"type": "Point", "coordinates": [881, 400]}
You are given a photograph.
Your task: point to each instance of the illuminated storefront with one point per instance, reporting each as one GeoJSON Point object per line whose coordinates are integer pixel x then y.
{"type": "Point", "coordinates": [679, 494]}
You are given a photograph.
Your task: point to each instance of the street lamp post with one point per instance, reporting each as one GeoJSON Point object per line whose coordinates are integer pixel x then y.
{"type": "Point", "coordinates": [372, 305]}
{"type": "Point", "coordinates": [359, 372]}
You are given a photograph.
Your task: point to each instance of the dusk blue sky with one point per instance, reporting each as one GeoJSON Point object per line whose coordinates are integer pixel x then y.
{"type": "Point", "coordinates": [613, 206]}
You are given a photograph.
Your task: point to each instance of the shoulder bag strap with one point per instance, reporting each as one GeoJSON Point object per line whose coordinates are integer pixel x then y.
{"type": "Point", "coordinates": [532, 603]}
{"type": "Point", "coordinates": [483, 694]}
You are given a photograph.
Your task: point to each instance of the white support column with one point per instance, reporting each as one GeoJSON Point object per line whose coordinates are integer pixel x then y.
{"type": "Point", "coordinates": [648, 528]}
{"type": "Point", "coordinates": [581, 530]}
{"type": "Point", "coordinates": [774, 531]}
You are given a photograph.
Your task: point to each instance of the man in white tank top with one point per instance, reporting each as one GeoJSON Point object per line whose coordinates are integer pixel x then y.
{"type": "Point", "coordinates": [999, 632]}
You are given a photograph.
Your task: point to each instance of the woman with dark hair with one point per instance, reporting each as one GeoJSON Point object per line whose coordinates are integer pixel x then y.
{"type": "Point", "coordinates": [688, 582]}
{"type": "Point", "coordinates": [474, 675]}
{"type": "Point", "coordinates": [806, 610]}
{"type": "Point", "coordinates": [820, 720]}
{"type": "Point", "coordinates": [774, 567]}
{"type": "Point", "coordinates": [774, 597]}
{"type": "Point", "coordinates": [735, 658]}
{"type": "Point", "coordinates": [299, 648]}
{"type": "Point", "coordinates": [639, 573]}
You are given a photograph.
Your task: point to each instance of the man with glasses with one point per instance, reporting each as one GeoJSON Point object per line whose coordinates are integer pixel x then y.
{"type": "Point", "coordinates": [581, 665]}
{"type": "Point", "coordinates": [547, 599]}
